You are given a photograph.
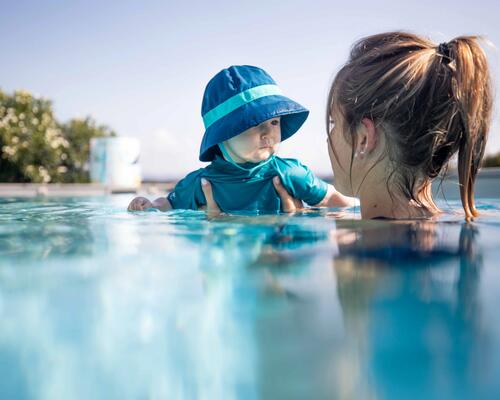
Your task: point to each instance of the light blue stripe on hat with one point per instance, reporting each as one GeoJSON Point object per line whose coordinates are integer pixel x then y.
{"type": "Point", "coordinates": [238, 100]}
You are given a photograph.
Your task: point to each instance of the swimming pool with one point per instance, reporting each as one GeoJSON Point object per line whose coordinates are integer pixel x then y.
{"type": "Point", "coordinates": [99, 303]}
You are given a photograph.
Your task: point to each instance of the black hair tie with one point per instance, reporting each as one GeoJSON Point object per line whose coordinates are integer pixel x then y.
{"type": "Point", "coordinates": [444, 49]}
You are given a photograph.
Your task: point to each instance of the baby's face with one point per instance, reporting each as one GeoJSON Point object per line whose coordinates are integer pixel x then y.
{"type": "Point", "coordinates": [257, 143]}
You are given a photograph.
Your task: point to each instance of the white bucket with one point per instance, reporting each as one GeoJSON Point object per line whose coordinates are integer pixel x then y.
{"type": "Point", "coordinates": [114, 162]}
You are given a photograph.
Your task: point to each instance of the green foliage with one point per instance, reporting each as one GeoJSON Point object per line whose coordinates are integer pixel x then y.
{"type": "Point", "coordinates": [34, 147]}
{"type": "Point", "coordinates": [492, 161]}
{"type": "Point", "coordinates": [32, 144]}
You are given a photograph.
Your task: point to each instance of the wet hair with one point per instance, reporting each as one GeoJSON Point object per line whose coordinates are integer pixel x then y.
{"type": "Point", "coordinates": [430, 101]}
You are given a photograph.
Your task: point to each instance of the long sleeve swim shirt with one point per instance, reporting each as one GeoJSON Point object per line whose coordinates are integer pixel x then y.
{"type": "Point", "coordinates": [248, 187]}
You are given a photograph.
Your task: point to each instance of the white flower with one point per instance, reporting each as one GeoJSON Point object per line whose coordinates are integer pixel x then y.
{"type": "Point", "coordinates": [44, 174]}
{"type": "Point", "coordinates": [9, 150]}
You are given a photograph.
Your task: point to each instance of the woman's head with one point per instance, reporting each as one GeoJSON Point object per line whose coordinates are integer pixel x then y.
{"type": "Point", "coordinates": [414, 104]}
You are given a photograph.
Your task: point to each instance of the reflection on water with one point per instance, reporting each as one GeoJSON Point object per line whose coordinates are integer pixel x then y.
{"type": "Point", "coordinates": [99, 303]}
{"type": "Point", "coordinates": [418, 324]}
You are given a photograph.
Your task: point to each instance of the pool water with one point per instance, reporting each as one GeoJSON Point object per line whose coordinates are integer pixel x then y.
{"type": "Point", "coordinates": [98, 303]}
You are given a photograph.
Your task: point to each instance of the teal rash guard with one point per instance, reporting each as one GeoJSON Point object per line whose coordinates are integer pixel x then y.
{"type": "Point", "coordinates": [249, 186]}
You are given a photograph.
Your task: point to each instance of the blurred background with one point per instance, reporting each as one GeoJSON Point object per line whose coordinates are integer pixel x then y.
{"type": "Point", "coordinates": [74, 70]}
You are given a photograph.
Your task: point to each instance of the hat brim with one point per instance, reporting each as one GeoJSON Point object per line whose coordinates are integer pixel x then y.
{"type": "Point", "coordinates": [292, 114]}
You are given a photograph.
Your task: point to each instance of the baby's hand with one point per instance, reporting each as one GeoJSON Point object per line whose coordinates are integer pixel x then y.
{"type": "Point", "coordinates": [139, 204]}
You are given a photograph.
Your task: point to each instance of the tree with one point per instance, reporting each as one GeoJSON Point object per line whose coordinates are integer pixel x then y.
{"type": "Point", "coordinates": [31, 142]}
{"type": "Point", "coordinates": [34, 147]}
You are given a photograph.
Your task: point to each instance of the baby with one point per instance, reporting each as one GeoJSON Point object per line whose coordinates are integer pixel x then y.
{"type": "Point", "coordinates": [246, 116]}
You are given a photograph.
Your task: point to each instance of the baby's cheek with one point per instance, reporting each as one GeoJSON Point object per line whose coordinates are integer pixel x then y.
{"type": "Point", "coordinates": [250, 145]}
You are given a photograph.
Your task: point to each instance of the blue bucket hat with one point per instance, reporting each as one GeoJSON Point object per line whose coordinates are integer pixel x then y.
{"type": "Point", "coordinates": [240, 97]}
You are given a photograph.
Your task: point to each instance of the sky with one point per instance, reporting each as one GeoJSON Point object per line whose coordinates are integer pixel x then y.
{"type": "Point", "coordinates": [141, 67]}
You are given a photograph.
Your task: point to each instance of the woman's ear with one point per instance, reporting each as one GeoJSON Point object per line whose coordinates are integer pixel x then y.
{"type": "Point", "coordinates": [367, 137]}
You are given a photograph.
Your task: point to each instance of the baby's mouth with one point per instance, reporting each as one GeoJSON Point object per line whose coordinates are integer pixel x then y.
{"type": "Point", "coordinates": [266, 144]}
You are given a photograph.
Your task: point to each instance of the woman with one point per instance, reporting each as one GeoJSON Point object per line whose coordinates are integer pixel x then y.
{"type": "Point", "coordinates": [397, 112]}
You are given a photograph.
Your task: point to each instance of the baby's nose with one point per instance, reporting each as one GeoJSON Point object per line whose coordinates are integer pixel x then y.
{"type": "Point", "coordinates": [267, 131]}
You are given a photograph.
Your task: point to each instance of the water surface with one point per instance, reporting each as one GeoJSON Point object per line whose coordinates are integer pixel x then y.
{"type": "Point", "coordinates": [99, 303]}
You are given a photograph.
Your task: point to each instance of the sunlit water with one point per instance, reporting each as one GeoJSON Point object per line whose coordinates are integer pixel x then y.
{"type": "Point", "coordinates": [98, 303]}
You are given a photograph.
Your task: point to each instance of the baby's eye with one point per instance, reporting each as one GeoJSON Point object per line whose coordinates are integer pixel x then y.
{"type": "Point", "coordinates": [275, 122]}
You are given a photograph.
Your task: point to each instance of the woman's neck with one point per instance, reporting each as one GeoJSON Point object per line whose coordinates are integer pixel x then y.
{"type": "Point", "coordinates": [382, 200]}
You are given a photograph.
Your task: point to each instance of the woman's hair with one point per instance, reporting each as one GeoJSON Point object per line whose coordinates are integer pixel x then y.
{"type": "Point", "coordinates": [431, 101]}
